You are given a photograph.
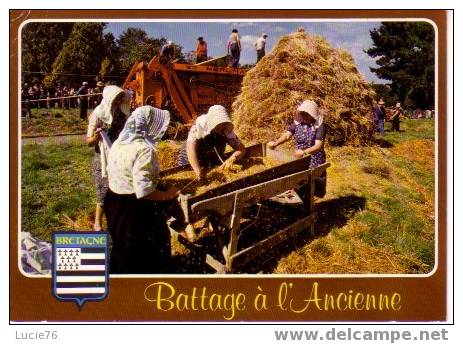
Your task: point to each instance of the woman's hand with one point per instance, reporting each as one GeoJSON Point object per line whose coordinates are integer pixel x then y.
{"type": "Point", "coordinates": [199, 175]}
{"type": "Point", "coordinates": [173, 192]}
{"type": "Point", "coordinates": [227, 164]}
{"type": "Point", "coordinates": [97, 134]}
{"type": "Point", "coordinates": [272, 144]}
{"type": "Point", "coordinates": [93, 140]}
{"type": "Point", "coordinates": [299, 153]}
{"type": "Point", "coordinates": [158, 195]}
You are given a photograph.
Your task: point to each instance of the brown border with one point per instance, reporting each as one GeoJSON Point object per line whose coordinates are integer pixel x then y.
{"type": "Point", "coordinates": [423, 299]}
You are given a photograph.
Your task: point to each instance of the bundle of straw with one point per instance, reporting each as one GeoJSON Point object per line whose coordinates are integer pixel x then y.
{"type": "Point", "coordinates": [300, 67]}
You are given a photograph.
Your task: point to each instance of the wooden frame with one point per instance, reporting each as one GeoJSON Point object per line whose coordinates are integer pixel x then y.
{"type": "Point", "coordinates": [223, 205]}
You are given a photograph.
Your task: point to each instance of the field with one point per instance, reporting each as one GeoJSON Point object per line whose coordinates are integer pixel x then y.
{"type": "Point", "coordinates": [377, 217]}
{"type": "Point", "coordinates": [45, 122]}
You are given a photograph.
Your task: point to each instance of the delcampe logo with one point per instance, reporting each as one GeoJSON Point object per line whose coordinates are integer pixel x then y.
{"type": "Point", "coordinates": [80, 266]}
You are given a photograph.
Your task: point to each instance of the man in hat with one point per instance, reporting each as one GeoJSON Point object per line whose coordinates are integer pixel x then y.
{"type": "Point", "coordinates": [83, 101]}
{"type": "Point", "coordinates": [379, 115]}
{"type": "Point", "coordinates": [395, 118]}
{"type": "Point", "coordinates": [201, 50]}
{"type": "Point", "coordinates": [99, 93]}
{"type": "Point", "coordinates": [260, 46]}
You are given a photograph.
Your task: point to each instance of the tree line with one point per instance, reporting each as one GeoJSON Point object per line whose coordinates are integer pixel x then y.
{"type": "Point", "coordinates": [405, 55]}
{"type": "Point", "coordinates": [53, 53]}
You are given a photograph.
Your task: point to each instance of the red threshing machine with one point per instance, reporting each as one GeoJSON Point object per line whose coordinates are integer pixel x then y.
{"type": "Point", "coordinates": [186, 90]}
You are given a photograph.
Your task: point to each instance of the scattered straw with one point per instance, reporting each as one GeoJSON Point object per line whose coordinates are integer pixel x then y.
{"type": "Point", "coordinates": [216, 177]}
{"type": "Point", "coordinates": [168, 153]}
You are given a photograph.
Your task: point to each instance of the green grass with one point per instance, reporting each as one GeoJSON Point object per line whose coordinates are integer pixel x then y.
{"type": "Point", "coordinates": [410, 129]}
{"type": "Point", "coordinates": [407, 229]}
{"type": "Point", "coordinates": [53, 122]}
{"type": "Point", "coordinates": [56, 181]}
{"type": "Point", "coordinates": [402, 230]}
{"type": "Point", "coordinates": [377, 216]}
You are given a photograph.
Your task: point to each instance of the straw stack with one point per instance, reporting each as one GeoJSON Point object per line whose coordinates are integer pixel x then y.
{"type": "Point", "coordinates": [301, 67]}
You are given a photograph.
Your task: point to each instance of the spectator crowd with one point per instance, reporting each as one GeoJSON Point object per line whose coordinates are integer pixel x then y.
{"type": "Point", "coordinates": [38, 96]}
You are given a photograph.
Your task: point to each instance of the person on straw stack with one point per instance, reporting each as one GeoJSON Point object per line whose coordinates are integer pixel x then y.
{"type": "Point", "coordinates": [260, 46]}
{"type": "Point", "coordinates": [309, 134]}
{"type": "Point", "coordinates": [201, 50]}
{"type": "Point", "coordinates": [166, 55]}
{"type": "Point", "coordinates": [134, 204]}
{"type": "Point", "coordinates": [234, 48]}
{"type": "Point", "coordinates": [105, 124]}
{"type": "Point", "coordinates": [206, 142]}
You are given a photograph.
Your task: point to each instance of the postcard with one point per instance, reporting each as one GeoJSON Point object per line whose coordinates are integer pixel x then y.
{"type": "Point", "coordinates": [228, 166]}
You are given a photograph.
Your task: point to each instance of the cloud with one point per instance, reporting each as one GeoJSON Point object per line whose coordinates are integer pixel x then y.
{"type": "Point", "coordinates": [219, 43]}
{"type": "Point", "coordinates": [243, 24]}
{"type": "Point", "coordinates": [279, 29]}
{"type": "Point", "coordinates": [247, 41]}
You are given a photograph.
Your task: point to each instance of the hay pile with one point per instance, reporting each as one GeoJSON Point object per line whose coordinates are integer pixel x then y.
{"type": "Point", "coordinates": [301, 67]}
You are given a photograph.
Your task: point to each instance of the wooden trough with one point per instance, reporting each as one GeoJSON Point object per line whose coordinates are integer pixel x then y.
{"type": "Point", "coordinates": [223, 206]}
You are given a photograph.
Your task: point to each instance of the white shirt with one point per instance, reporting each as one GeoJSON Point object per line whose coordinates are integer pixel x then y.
{"type": "Point", "coordinates": [93, 124]}
{"type": "Point", "coordinates": [133, 169]}
{"type": "Point", "coordinates": [260, 43]}
{"type": "Point", "coordinates": [200, 130]}
{"type": "Point", "coordinates": [234, 38]}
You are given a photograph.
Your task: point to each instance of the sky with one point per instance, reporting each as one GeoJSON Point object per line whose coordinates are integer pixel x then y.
{"type": "Point", "coordinates": [352, 36]}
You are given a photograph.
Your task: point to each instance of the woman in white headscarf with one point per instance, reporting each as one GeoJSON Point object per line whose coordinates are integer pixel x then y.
{"type": "Point", "coordinates": [309, 134]}
{"type": "Point", "coordinates": [133, 204]}
{"type": "Point", "coordinates": [207, 140]}
{"type": "Point", "coordinates": [104, 125]}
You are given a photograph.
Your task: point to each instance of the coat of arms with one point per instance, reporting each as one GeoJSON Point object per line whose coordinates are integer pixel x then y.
{"type": "Point", "coordinates": [80, 266]}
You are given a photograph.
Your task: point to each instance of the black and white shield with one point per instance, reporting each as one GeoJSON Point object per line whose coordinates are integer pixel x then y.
{"type": "Point", "coordinates": [80, 266]}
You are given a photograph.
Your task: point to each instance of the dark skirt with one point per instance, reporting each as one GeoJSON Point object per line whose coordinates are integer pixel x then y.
{"type": "Point", "coordinates": [320, 184]}
{"type": "Point", "coordinates": [140, 237]}
{"type": "Point", "coordinates": [318, 159]}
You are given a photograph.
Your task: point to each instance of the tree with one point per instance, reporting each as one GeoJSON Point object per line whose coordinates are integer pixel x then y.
{"type": "Point", "coordinates": [110, 65]}
{"type": "Point", "coordinates": [107, 69]}
{"type": "Point", "coordinates": [405, 55]}
{"type": "Point", "coordinates": [81, 55]}
{"type": "Point", "coordinates": [40, 45]}
{"type": "Point", "coordinates": [135, 45]}
{"type": "Point", "coordinates": [384, 91]}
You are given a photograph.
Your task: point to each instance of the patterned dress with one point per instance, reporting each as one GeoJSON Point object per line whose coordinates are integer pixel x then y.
{"type": "Point", "coordinates": [305, 136]}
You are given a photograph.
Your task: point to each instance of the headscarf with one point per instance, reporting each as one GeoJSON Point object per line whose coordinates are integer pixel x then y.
{"type": "Point", "coordinates": [103, 112]}
{"type": "Point", "coordinates": [216, 115]}
{"type": "Point", "coordinates": [146, 122]}
{"type": "Point", "coordinates": [110, 93]}
{"type": "Point", "coordinates": [310, 107]}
